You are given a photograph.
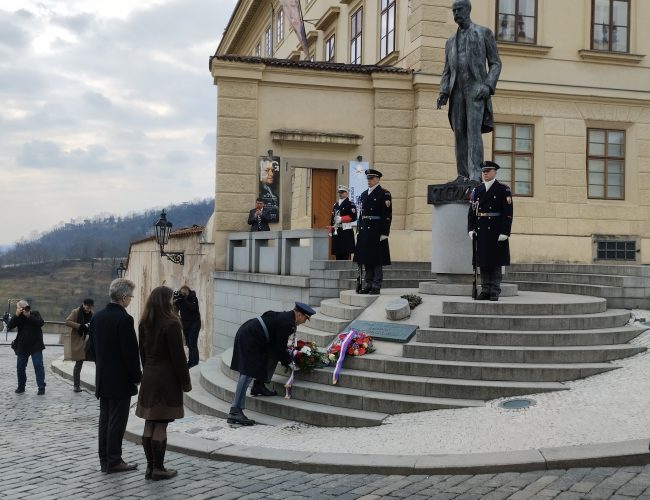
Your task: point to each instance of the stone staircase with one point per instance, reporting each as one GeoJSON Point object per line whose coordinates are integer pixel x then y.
{"type": "Point", "coordinates": [468, 353]}
{"type": "Point", "coordinates": [623, 286]}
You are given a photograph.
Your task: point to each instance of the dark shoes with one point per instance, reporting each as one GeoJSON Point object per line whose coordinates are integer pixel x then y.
{"type": "Point", "coordinates": [494, 297]}
{"type": "Point", "coordinates": [77, 389]}
{"type": "Point", "coordinates": [237, 417]}
{"type": "Point", "coordinates": [19, 390]}
{"type": "Point", "coordinates": [121, 467]}
{"type": "Point", "coordinates": [483, 296]}
{"type": "Point", "coordinates": [374, 291]}
{"type": "Point", "coordinates": [159, 472]}
{"type": "Point", "coordinates": [365, 291]}
{"type": "Point", "coordinates": [259, 389]}
{"type": "Point", "coordinates": [41, 391]}
{"type": "Point", "coordinates": [148, 452]}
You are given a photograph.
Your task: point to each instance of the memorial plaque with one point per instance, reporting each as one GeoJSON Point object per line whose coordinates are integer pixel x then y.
{"type": "Point", "coordinates": [388, 332]}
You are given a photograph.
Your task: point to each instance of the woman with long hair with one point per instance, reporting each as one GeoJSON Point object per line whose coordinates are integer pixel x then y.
{"type": "Point", "coordinates": [164, 379]}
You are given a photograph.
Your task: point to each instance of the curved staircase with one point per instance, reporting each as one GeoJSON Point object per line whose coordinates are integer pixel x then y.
{"type": "Point", "coordinates": [468, 353]}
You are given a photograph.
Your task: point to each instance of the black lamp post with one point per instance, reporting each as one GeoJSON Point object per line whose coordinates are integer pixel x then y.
{"type": "Point", "coordinates": [121, 270]}
{"type": "Point", "coordinates": [162, 229]}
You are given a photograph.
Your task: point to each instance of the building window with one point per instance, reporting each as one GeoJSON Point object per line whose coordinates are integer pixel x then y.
{"type": "Point", "coordinates": [279, 30]}
{"type": "Point", "coordinates": [513, 151]}
{"type": "Point", "coordinates": [610, 29]}
{"type": "Point", "coordinates": [517, 21]}
{"type": "Point", "coordinates": [616, 250]}
{"type": "Point", "coordinates": [606, 163]}
{"type": "Point", "coordinates": [387, 32]}
{"type": "Point", "coordinates": [258, 49]}
{"type": "Point", "coordinates": [355, 36]}
{"type": "Point", "coordinates": [268, 42]}
{"type": "Point", "coordinates": [329, 49]}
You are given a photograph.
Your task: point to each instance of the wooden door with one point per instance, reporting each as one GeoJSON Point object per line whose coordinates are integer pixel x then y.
{"type": "Point", "coordinates": [323, 196]}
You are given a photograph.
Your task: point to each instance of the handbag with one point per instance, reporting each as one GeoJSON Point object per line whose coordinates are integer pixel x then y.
{"type": "Point", "coordinates": [88, 349]}
{"type": "Point", "coordinates": [14, 345]}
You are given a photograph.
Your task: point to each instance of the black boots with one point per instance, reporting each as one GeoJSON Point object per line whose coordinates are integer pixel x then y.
{"type": "Point", "coordinates": [148, 452]}
{"type": "Point", "coordinates": [237, 417]}
{"type": "Point", "coordinates": [259, 389]}
{"type": "Point", "coordinates": [158, 454]}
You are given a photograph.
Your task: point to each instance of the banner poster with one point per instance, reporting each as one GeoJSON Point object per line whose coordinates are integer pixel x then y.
{"type": "Point", "coordinates": [269, 189]}
{"type": "Point", "coordinates": [358, 182]}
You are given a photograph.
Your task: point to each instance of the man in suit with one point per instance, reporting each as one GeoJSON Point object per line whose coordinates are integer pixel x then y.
{"type": "Point", "coordinates": [467, 85]}
{"type": "Point", "coordinates": [258, 219]}
{"type": "Point", "coordinates": [114, 344]}
{"type": "Point", "coordinates": [372, 250]}
{"type": "Point", "coordinates": [489, 221]}
{"type": "Point", "coordinates": [343, 213]}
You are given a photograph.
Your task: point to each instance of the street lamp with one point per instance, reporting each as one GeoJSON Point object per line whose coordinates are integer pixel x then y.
{"type": "Point", "coordinates": [121, 270]}
{"type": "Point", "coordinates": [162, 229]}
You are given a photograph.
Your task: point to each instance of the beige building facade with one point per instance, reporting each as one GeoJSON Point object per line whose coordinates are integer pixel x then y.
{"type": "Point", "coordinates": [572, 115]}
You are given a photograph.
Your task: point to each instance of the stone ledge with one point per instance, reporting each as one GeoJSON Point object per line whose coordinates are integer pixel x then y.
{"type": "Point", "coordinates": [610, 57]}
{"type": "Point", "coordinates": [266, 279]}
{"type": "Point", "coordinates": [316, 137]}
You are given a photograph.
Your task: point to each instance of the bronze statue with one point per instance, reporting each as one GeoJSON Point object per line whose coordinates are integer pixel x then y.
{"type": "Point", "coordinates": [468, 85]}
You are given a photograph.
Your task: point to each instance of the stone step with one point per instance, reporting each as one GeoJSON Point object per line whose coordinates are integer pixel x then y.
{"type": "Point", "coordinates": [335, 309]}
{"type": "Point", "coordinates": [521, 354]}
{"type": "Point", "coordinates": [471, 370]}
{"type": "Point", "coordinates": [320, 338]}
{"type": "Point", "coordinates": [618, 270]}
{"type": "Point", "coordinates": [222, 386]}
{"type": "Point", "coordinates": [569, 288]}
{"type": "Point", "coordinates": [352, 298]}
{"type": "Point", "coordinates": [347, 264]}
{"type": "Point", "coordinates": [389, 273]}
{"type": "Point", "coordinates": [431, 386]}
{"type": "Point", "coordinates": [525, 306]}
{"type": "Point", "coordinates": [619, 335]}
{"type": "Point", "coordinates": [464, 290]}
{"type": "Point", "coordinates": [345, 283]}
{"type": "Point", "coordinates": [373, 401]}
{"type": "Point", "coordinates": [201, 402]}
{"type": "Point", "coordinates": [327, 324]}
{"type": "Point", "coordinates": [609, 319]}
{"type": "Point", "coordinates": [578, 278]}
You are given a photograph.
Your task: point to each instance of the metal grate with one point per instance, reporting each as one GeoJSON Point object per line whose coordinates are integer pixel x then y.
{"type": "Point", "coordinates": [517, 404]}
{"type": "Point", "coordinates": [616, 250]}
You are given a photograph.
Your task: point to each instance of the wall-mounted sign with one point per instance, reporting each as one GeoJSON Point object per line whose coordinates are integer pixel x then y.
{"type": "Point", "coordinates": [269, 189]}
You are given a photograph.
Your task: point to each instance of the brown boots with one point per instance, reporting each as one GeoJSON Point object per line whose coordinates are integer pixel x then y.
{"type": "Point", "coordinates": [146, 444]}
{"type": "Point", "coordinates": [155, 453]}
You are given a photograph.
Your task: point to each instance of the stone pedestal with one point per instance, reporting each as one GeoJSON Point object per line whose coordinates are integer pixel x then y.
{"type": "Point", "coordinates": [451, 249]}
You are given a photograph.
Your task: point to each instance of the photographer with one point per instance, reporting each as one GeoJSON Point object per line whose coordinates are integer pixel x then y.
{"type": "Point", "coordinates": [28, 342]}
{"type": "Point", "coordinates": [187, 305]}
{"type": "Point", "coordinates": [74, 343]}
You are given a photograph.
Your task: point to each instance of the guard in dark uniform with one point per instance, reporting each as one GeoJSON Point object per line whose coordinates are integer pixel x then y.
{"type": "Point", "coordinates": [344, 213]}
{"type": "Point", "coordinates": [489, 221]}
{"type": "Point", "coordinates": [372, 249]}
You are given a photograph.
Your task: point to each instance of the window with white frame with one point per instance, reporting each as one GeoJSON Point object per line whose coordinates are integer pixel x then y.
{"type": "Point", "coordinates": [356, 32]}
{"type": "Point", "coordinates": [387, 29]}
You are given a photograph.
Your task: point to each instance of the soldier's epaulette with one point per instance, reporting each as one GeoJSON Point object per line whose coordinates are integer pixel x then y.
{"type": "Point", "coordinates": [386, 191]}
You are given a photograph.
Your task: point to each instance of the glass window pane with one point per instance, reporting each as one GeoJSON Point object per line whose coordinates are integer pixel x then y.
{"type": "Point", "coordinates": [527, 8]}
{"type": "Point", "coordinates": [507, 6]}
{"type": "Point", "coordinates": [384, 3]}
{"type": "Point", "coordinates": [597, 166]}
{"type": "Point", "coordinates": [526, 30]}
{"type": "Point", "coordinates": [597, 142]}
{"type": "Point", "coordinates": [506, 29]}
{"type": "Point", "coordinates": [601, 14]}
{"type": "Point", "coordinates": [614, 180]}
{"type": "Point", "coordinates": [620, 13]}
{"type": "Point", "coordinates": [616, 143]}
{"type": "Point", "coordinates": [596, 178]}
{"type": "Point", "coordinates": [505, 172]}
{"type": "Point", "coordinates": [615, 167]}
{"type": "Point", "coordinates": [619, 39]}
{"type": "Point", "coordinates": [524, 139]}
{"type": "Point", "coordinates": [596, 191]}
{"type": "Point", "coordinates": [523, 188]}
{"type": "Point", "coordinates": [601, 37]}
{"type": "Point", "coordinates": [503, 138]}
{"type": "Point", "coordinates": [614, 192]}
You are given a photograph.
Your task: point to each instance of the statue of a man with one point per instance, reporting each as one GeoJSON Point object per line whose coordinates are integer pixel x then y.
{"type": "Point", "coordinates": [468, 85]}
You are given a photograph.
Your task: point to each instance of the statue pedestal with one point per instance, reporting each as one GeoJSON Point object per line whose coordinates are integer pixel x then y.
{"type": "Point", "coordinates": [451, 249]}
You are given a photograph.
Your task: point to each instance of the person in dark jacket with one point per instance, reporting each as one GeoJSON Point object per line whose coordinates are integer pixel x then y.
{"type": "Point", "coordinates": [343, 213]}
{"type": "Point", "coordinates": [259, 344]}
{"type": "Point", "coordinates": [165, 378]}
{"type": "Point", "coordinates": [28, 342]}
{"type": "Point", "coordinates": [372, 249]}
{"type": "Point", "coordinates": [489, 221]}
{"type": "Point", "coordinates": [114, 346]}
{"type": "Point", "coordinates": [187, 305]}
{"type": "Point", "coordinates": [74, 343]}
{"type": "Point", "coordinates": [258, 219]}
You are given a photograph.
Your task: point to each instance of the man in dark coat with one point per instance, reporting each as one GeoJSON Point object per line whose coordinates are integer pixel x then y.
{"type": "Point", "coordinates": [344, 212]}
{"type": "Point", "coordinates": [372, 249]}
{"type": "Point", "coordinates": [187, 305]}
{"type": "Point", "coordinates": [114, 346]}
{"type": "Point", "coordinates": [258, 219]}
{"type": "Point", "coordinates": [489, 221]}
{"type": "Point", "coordinates": [468, 85]}
{"type": "Point", "coordinates": [28, 342]}
{"type": "Point", "coordinates": [259, 344]}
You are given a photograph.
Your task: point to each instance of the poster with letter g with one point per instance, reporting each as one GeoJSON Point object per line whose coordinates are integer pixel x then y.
{"type": "Point", "coordinates": [269, 187]}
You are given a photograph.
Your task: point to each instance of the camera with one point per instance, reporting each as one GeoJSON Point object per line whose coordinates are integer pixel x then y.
{"type": "Point", "coordinates": [177, 296]}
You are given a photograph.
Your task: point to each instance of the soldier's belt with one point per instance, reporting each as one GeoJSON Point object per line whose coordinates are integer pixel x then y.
{"type": "Point", "coordinates": [371, 217]}
{"type": "Point", "coordinates": [488, 214]}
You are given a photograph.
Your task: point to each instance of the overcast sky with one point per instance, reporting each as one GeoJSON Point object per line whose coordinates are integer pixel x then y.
{"type": "Point", "coordinates": [106, 106]}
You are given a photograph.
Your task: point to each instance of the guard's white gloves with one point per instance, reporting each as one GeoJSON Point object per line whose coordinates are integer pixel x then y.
{"type": "Point", "coordinates": [471, 234]}
{"type": "Point", "coordinates": [383, 237]}
{"type": "Point", "coordinates": [503, 237]}
{"type": "Point", "coordinates": [337, 219]}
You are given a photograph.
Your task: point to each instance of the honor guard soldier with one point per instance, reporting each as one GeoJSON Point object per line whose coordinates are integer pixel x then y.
{"type": "Point", "coordinates": [372, 249]}
{"type": "Point", "coordinates": [489, 221]}
{"type": "Point", "coordinates": [344, 213]}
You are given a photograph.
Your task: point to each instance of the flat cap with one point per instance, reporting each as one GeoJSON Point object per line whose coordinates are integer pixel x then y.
{"type": "Point", "coordinates": [343, 188]}
{"type": "Point", "coordinates": [305, 309]}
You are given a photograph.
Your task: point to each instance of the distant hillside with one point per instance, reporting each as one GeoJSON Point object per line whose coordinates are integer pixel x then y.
{"type": "Point", "coordinates": [102, 236]}
{"type": "Point", "coordinates": [55, 288]}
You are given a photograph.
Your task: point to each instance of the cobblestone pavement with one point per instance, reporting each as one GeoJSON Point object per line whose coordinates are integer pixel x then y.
{"type": "Point", "coordinates": [48, 450]}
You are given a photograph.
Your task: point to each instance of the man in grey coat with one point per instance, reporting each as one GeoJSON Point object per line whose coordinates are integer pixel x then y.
{"type": "Point", "coordinates": [467, 84]}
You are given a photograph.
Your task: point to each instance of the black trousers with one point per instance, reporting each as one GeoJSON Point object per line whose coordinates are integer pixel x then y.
{"type": "Point", "coordinates": [113, 416]}
{"type": "Point", "coordinates": [491, 279]}
{"type": "Point", "coordinates": [76, 373]}
{"type": "Point", "coordinates": [374, 276]}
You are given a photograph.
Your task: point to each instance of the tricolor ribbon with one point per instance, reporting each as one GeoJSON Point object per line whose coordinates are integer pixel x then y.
{"type": "Point", "coordinates": [287, 386]}
{"type": "Point", "coordinates": [344, 348]}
